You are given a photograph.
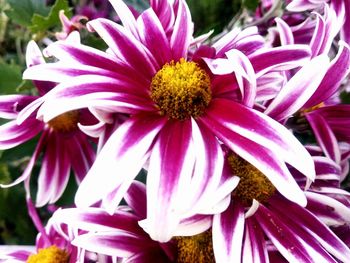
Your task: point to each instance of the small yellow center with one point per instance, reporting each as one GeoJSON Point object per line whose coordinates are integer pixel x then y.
{"type": "Point", "coordinates": [65, 122]}
{"type": "Point", "coordinates": [253, 184]}
{"type": "Point", "coordinates": [198, 248]}
{"type": "Point", "coordinates": [181, 90]}
{"type": "Point", "coordinates": [49, 255]}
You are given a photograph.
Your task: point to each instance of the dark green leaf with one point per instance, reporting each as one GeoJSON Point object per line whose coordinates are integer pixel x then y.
{"type": "Point", "coordinates": [40, 23]}
{"type": "Point", "coordinates": [10, 78]}
{"type": "Point", "coordinates": [22, 11]}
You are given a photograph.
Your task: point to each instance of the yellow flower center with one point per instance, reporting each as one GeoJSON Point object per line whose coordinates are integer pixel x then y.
{"type": "Point", "coordinates": [198, 248]}
{"type": "Point", "coordinates": [65, 122]}
{"type": "Point", "coordinates": [181, 90]}
{"type": "Point", "coordinates": [49, 255]}
{"type": "Point", "coordinates": [253, 184]}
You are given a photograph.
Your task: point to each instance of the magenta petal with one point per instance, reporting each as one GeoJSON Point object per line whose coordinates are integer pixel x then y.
{"type": "Point", "coordinates": [285, 32]}
{"type": "Point", "coordinates": [153, 36]}
{"type": "Point", "coordinates": [336, 73]}
{"type": "Point", "coordinates": [315, 227]}
{"type": "Point", "coordinates": [182, 34]}
{"type": "Point", "coordinates": [325, 136]}
{"type": "Point", "coordinates": [169, 172]}
{"type": "Point", "coordinates": [279, 58]}
{"type": "Point", "coordinates": [13, 134]}
{"type": "Point", "coordinates": [254, 245]}
{"type": "Point", "coordinates": [119, 161]}
{"type": "Point", "coordinates": [228, 229]}
{"type": "Point", "coordinates": [135, 197]}
{"type": "Point", "coordinates": [119, 244]}
{"type": "Point", "coordinates": [96, 220]}
{"type": "Point", "coordinates": [288, 242]}
{"type": "Point", "coordinates": [10, 105]}
{"type": "Point", "coordinates": [125, 46]}
{"type": "Point", "coordinates": [298, 89]}
{"type": "Point", "coordinates": [260, 129]}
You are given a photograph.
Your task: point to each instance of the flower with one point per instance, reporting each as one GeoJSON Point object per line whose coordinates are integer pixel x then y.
{"type": "Point", "coordinates": [120, 235]}
{"type": "Point", "coordinates": [180, 100]}
{"type": "Point", "coordinates": [63, 144]}
{"type": "Point", "coordinates": [259, 218]}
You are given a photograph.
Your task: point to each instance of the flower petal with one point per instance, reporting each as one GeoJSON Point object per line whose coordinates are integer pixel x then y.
{"type": "Point", "coordinates": [298, 89]}
{"type": "Point", "coordinates": [228, 229]}
{"type": "Point", "coordinates": [119, 161]}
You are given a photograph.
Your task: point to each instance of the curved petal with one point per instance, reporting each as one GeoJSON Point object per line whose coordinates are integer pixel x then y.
{"type": "Point", "coordinates": [125, 46]}
{"type": "Point", "coordinates": [279, 58]}
{"type": "Point", "coordinates": [254, 246]}
{"type": "Point", "coordinates": [170, 171]}
{"type": "Point", "coordinates": [298, 89]}
{"type": "Point", "coordinates": [135, 197]}
{"type": "Point", "coordinates": [119, 161]}
{"type": "Point", "coordinates": [285, 32]}
{"type": "Point", "coordinates": [260, 129]}
{"type": "Point", "coordinates": [325, 136]}
{"type": "Point", "coordinates": [10, 105]}
{"type": "Point", "coordinates": [153, 36]}
{"type": "Point", "coordinates": [228, 229]}
{"type": "Point", "coordinates": [314, 227]}
{"type": "Point", "coordinates": [182, 33]}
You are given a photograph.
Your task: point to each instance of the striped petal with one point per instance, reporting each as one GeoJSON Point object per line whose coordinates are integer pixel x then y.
{"type": "Point", "coordinates": [119, 161]}
{"type": "Point", "coordinates": [298, 89]}
{"type": "Point", "coordinates": [228, 229]}
{"type": "Point", "coordinates": [170, 171]}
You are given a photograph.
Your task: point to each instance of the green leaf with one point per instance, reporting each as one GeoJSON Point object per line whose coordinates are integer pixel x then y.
{"type": "Point", "coordinates": [22, 11]}
{"type": "Point", "coordinates": [40, 23]}
{"type": "Point", "coordinates": [10, 78]}
{"type": "Point", "coordinates": [251, 4]}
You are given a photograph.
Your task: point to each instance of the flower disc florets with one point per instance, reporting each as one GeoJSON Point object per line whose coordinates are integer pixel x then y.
{"type": "Point", "coordinates": [65, 122]}
{"type": "Point", "coordinates": [181, 90]}
{"type": "Point", "coordinates": [253, 184]}
{"type": "Point", "coordinates": [49, 255]}
{"type": "Point", "coordinates": [198, 248]}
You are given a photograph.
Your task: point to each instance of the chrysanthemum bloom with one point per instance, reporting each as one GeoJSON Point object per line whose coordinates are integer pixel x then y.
{"type": "Point", "coordinates": [259, 216]}
{"type": "Point", "coordinates": [178, 107]}
{"type": "Point", "coordinates": [120, 235]}
{"type": "Point", "coordinates": [341, 8]}
{"type": "Point", "coordinates": [63, 145]}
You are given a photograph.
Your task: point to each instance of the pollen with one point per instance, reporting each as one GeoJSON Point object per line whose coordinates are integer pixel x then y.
{"type": "Point", "coordinates": [181, 90]}
{"type": "Point", "coordinates": [51, 254]}
{"type": "Point", "coordinates": [307, 110]}
{"type": "Point", "coordinates": [198, 248]}
{"type": "Point", "coordinates": [65, 122]}
{"type": "Point", "coordinates": [253, 184]}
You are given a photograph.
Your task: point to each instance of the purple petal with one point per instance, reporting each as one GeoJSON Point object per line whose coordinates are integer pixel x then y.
{"type": "Point", "coordinates": [153, 36]}
{"type": "Point", "coordinates": [135, 197]}
{"type": "Point", "coordinates": [13, 134]}
{"type": "Point", "coordinates": [125, 46]}
{"type": "Point", "coordinates": [33, 55]}
{"type": "Point", "coordinates": [313, 226]}
{"type": "Point", "coordinates": [285, 32]}
{"type": "Point", "coordinates": [119, 161]}
{"type": "Point", "coordinates": [279, 58]}
{"type": "Point", "coordinates": [325, 136]}
{"type": "Point", "coordinates": [262, 130]}
{"type": "Point", "coordinates": [327, 209]}
{"type": "Point", "coordinates": [299, 89]}
{"type": "Point", "coordinates": [336, 73]}
{"type": "Point", "coordinates": [170, 171]}
{"type": "Point", "coordinates": [254, 247]}
{"type": "Point", "coordinates": [97, 220]}
{"type": "Point", "coordinates": [289, 241]}
{"type": "Point", "coordinates": [228, 228]}
{"type": "Point", "coordinates": [94, 91]}
{"type": "Point", "coordinates": [182, 34]}
{"type": "Point", "coordinates": [10, 105]}
{"type": "Point", "coordinates": [126, 16]}
{"type": "Point", "coordinates": [118, 244]}
{"type": "Point", "coordinates": [318, 35]}
{"type": "Point", "coordinates": [194, 225]}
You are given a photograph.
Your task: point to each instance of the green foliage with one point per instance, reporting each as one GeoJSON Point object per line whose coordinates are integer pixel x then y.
{"type": "Point", "coordinates": [139, 5]}
{"type": "Point", "coordinates": [250, 4]}
{"type": "Point", "coordinates": [40, 24]}
{"type": "Point", "coordinates": [22, 11]}
{"type": "Point", "coordinates": [10, 78]}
